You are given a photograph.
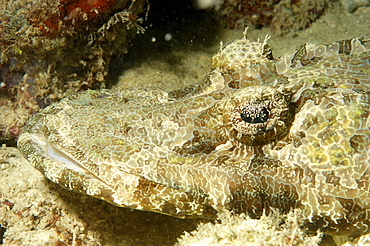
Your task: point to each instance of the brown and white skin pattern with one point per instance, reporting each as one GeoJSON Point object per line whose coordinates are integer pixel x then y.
{"type": "Point", "coordinates": [257, 133]}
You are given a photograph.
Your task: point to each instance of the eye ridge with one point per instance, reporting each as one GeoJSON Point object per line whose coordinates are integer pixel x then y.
{"type": "Point", "coordinates": [258, 115]}
{"type": "Point", "coordinates": [254, 114]}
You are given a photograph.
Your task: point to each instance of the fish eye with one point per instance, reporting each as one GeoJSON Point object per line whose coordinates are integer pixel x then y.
{"type": "Point", "coordinates": [254, 114]}
{"type": "Point", "coordinates": [258, 115]}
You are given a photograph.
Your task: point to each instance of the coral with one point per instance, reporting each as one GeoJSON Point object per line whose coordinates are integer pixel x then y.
{"type": "Point", "coordinates": [294, 15]}
{"type": "Point", "coordinates": [271, 230]}
{"type": "Point", "coordinates": [54, 48]}
{"type": "Point", "coordinates": [241, 13]}
{"type": "Point", "coordinates": [281, 15]}
{"type": "Point", "coordinates": [75, 12]}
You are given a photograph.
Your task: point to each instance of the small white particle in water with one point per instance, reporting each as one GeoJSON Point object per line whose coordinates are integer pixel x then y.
{"type": "Point", "coordinates": [206, 4]}
{"type": "Point", "coordinates": [2, 85]}
{"type": "Point", "coordinates": [154, 39]}
{"type": "Point", "coordinates": [168, 37]}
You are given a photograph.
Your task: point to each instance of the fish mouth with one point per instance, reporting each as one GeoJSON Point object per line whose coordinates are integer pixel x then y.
{"type": "Point", "coordinates": [36, 142]}
{"type": "Point", "coordinates": [54, 152]}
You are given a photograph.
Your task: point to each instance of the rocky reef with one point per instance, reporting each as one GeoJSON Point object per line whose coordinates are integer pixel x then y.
{"type": "Point", "coordinates": [282, 16]}
{"type": "Point", "coordinates": [54, 48]}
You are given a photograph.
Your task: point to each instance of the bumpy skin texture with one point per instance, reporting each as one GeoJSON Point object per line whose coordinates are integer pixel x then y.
{"type": "Point", "coordinates": [257, 133]}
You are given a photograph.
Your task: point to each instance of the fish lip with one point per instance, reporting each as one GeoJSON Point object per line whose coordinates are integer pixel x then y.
{"type": "Point", "coordinates": [39, 142]}
{"type": "Point", "coordinates": [56, 153]}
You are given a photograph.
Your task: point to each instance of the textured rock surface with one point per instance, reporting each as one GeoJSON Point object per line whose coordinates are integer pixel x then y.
{"type": "Point", "coordinates": [50, 49]}
{"type": "Point", "coordinates": [352, 5]}
{"type": "Point", "coordinates": [281, 16]}
{"type": "Point", "coordinates": [269, 230]}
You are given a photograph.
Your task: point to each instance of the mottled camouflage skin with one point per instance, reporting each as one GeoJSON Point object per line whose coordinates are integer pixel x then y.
{"type": "Point", "coordinates": [257, 133]}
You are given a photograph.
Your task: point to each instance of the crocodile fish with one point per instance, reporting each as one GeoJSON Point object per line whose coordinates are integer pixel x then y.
{"type": "Point", "coordinates": [258, 133]}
